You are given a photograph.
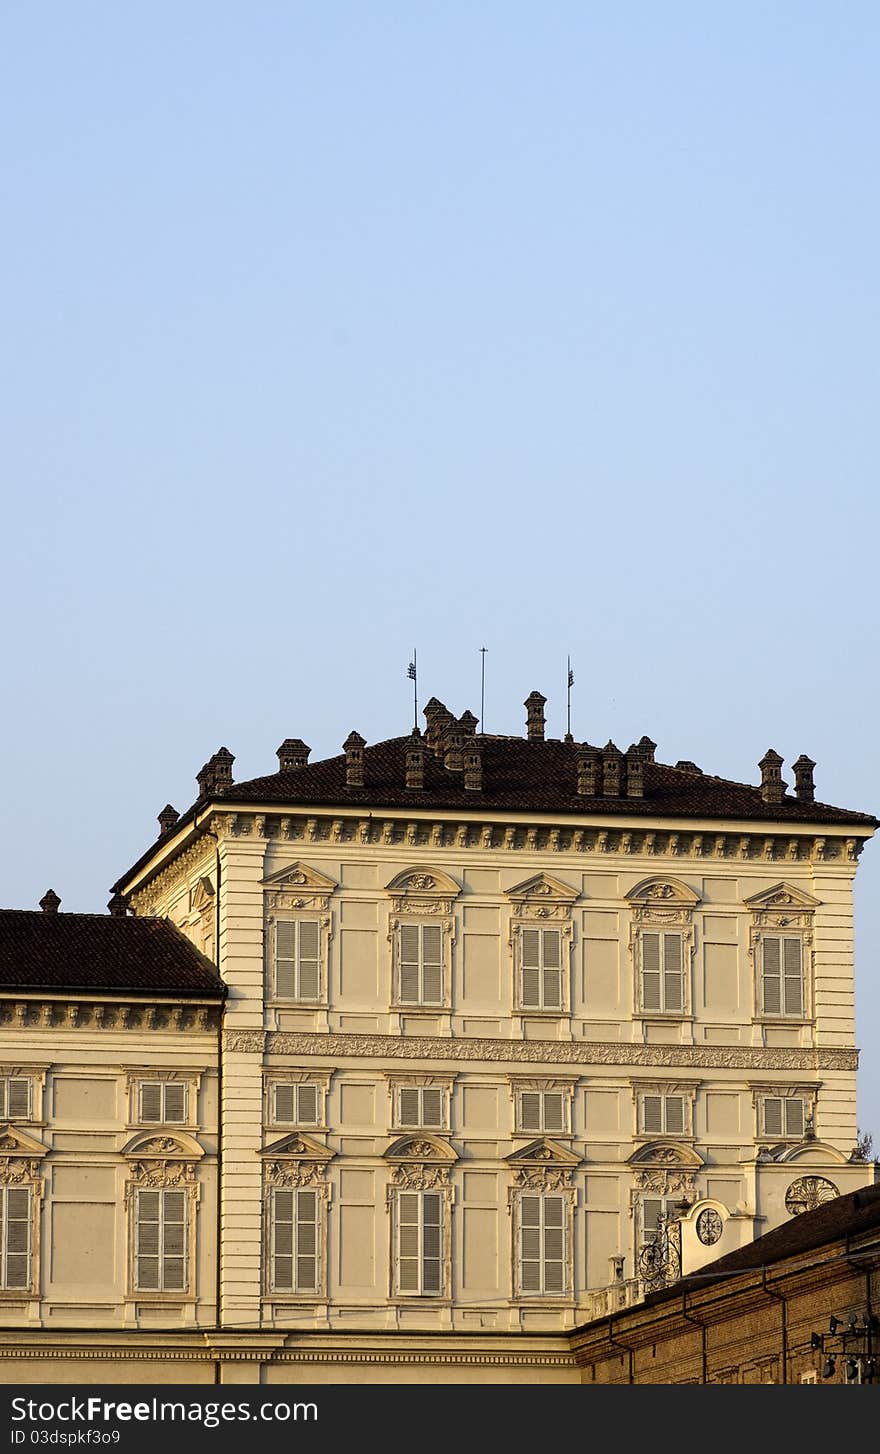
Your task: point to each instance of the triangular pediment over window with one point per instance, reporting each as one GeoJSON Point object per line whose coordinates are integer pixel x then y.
{"type": "Point", "coordinates": [543, 1152]}
{"type": "Point", "coordinates": [15, 1142]}
{"type": "Point", "coordinates": [300, 876]}
{"type": "Point", "coordinates": [541, 887]}
{"type": "Point", "coordinates": [297, 1147]}
{"type": "Point", "coordinates": [663, 893]}
{"type": "Point", "coordinates": [203, 895]}
{"type": "Point", "coordinates": [153, 1144]}
{"type": "Point", "coordinates": [782, 896]}
{"type": "Point", "coordinates": [421, 1148]}
{"type": "Point", "coordinates": [665, 1154]}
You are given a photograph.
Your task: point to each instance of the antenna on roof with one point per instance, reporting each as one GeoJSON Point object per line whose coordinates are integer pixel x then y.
{"type": "Point", "coordinates": [569, 685]}
{"type": "Point", "coordinates": [414, 678]}
{"type": "Point", "coordinates": [482, 687]}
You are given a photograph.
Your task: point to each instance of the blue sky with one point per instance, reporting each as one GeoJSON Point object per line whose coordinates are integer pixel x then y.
{"type": "Point", "coordinates": [330, 330]}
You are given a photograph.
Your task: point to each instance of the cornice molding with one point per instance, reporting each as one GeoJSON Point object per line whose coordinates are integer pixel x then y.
{"type": "Point", "coordinates": [555, 1052]}
{"type": "Point", "coordinates": [109, 1012]}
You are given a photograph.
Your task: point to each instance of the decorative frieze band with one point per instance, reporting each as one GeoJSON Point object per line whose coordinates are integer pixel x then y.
{"type": "Point", "coordinates": [556, 1052]}
{"type": "Point", "coordinates": [72, 1014]}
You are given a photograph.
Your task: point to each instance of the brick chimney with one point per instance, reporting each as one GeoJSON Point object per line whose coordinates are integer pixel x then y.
{"type": "Point", "coordinates": [804, 788]}
{"type": "Point", "coordinates": [473, 768]}
{"type": "Point", "coordinates": [612, 762]}
{"type": "Point", "coordinates": [118, 906]}
{"type": "Point", "coordinates": [635, 772]}
{"type": "Point", "coordinates": [647, 748]}
{"type": "Point", "coordinates": [50, 902]}
{"type": "Point", "coordinates": [453, 746]}
{"type": "Point", "coordinates": [353, 747]}
{"type": "Point", "coordinates": [588, 772]}
{"type": "Point", "coordinates": [438, 718]}
{"type": "Point", "coordinates": [415, 760]}
{"type": "Point", "coordinates": [292, 753]}
{"type": "Point", "coordinates": [167, 819]}
{"type": "Point", "coordinates": [772, 786]}
{"type": "Point", "coordinates": [534, 705]}
{"type": "Point", "coordinates": [222, 760]}
{"type": "Point", "coordinates": [468, 723]}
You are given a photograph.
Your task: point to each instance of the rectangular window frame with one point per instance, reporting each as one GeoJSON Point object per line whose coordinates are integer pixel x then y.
{"type": "Point", "coordinates": [305, 1243]}
{"type": "Point", "coordinates": [422, 1123]}
{"type": "Point", "coordinates": [665, 1129]}
{"type": "Point", "coordinates": [301, 966]}
{"type": "Point", "coordinates": [533, 1237]}
{"type": "Point", "coordinates": [416, 972]}
{"type": "Point", "coordinates": [164, 1222]}
{"type": "Point", "coordinates": [148, 1083]}
{"type": "Point", "coordinates": [11, 1199]}
{"type": "Point", "coordinates": [784, 980]}
{"type": "Point", "coordinates": [529, 963]}
{"type": "Point", "coordinates": [11, 1099]}
{"type": "Point", "coordinates": [297, 1087]}
{"type": "Point", "coordinates": [784, 1101]}
{"type": "Point", "coordinates": [665, 976]}
{"type": "Point", "coordinates": [542, 1128]}
{"type": "Point", "coordinates": [430, 1264]}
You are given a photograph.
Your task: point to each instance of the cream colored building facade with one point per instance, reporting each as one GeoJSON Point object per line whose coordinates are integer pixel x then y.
{"type": "Point", "coordinates": [495, 1008]}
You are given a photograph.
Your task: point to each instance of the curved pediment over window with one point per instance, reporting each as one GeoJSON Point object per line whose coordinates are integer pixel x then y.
{"type": "Point", "coordinates": [663, 893]}
{"type": "Point", "coordinates": [423, 883]}
{"type": "Point", "coordinates": [543, 1152]}
{"type": "Point", "coordinates": [665, 1154]}
{"type": "Point", "coordinates": [178, 1147]}
{"type": "Point", "coordinates": [812, 1153]}
{"type": "Point", "coordinates": [422, 1148]}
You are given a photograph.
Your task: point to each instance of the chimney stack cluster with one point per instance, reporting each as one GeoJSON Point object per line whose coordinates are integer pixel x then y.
{"type": "Point", "coordinates": [216, 775]}
{"type": "Point", "coordinates": [772, 784]}
{"type": "Point", "coordinates": [610, 773]}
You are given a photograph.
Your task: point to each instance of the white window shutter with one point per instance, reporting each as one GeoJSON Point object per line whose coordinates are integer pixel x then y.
{"type": "Point", "coordinates": [432, 1107]}
{"type": "Point", "coordinates": [409, 944]}
{"type": "Point", "coordinates": [792, 960]}
{"type": "Point", "coordinates": [530, 1243]}
{"type": "Point", "coordinates": [773, 1116]}
{"type": "Point", "coordinates": [652, 1210]}
{"type": "Point", "coordinates": [772, 976]}
{"type": "Point", "coordinates": [4, 1100]}
{"type": "Point", "coordinates": [554, 1111]}
{"type": "Point", "coordinates": [148, 1241]}
{"type": "Point", "coordinates": [551, 953]}
{"type": "Point", "coordinates": [285, 959]}
{"type": "Point", "coordinates": [307, 1104]}
{"type": "Point", "coordinates": [19, 1100]}
{"type": "Point", "coordinates": [530, 968]}
{"type": "Point", "coordinates": [308, 959]}
{"type": "Point", "coordinates": [672, 972]}
{"type": "Point", "coordinates": [282, 1240]}
{"type": "Point", "coordinates": [306, 1241]}
{"type": "Point", "coordinates": [18, 1237]}
{"type": "Point", "coordinates": [432, 1242]}
{"type": "Point", "coordinates": [174, 1241]}
{"type": "Point", "coordinates": [409, 1106]}
{"type": "Point", "coordinates": [530, 1110]}
{"type": "Point", "coordinates": [652, 1111]}
{"type": "Point", "coordinates": [432, 964]}
{"type": "Point", "coordinates": [650, 971]}
{"type": "Point", "coordinates": [674, 1115]}
{"type": "Point", "coordinates": [554, 1243]}
{"type": "Point", "coordinates": [408, 1241]}
{"type": "Point", "coordinates": [175, 1102]}
{"type": "Point", "coordinates": [285, 1104]}
{"type": "Point", "coordinates": [151, 1101]}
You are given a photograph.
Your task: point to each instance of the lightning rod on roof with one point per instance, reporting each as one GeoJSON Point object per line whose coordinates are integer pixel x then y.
{"type": "Point", "coordinates": [482, 687]}
{"type": "Point", "coordinates": [569, 685]}
{"type": "Point", "coordinates": [413, 675]}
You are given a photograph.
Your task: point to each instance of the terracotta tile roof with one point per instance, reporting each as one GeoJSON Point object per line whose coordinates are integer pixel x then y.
{"type": "Point", "coordinates": [518, 775]}
{"type": "Point", "coordinates": [85, 953]}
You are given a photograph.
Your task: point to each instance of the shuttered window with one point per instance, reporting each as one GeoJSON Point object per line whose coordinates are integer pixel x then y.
{"type": "Point", "coordinates": [294, 1240]}
{"type": "Point", "coordinates": [419, 1259]}
{"type": "Point", "coordinates": [422, 1106]}
{"type": "Point", "coordinates": [15, 1098]}
{"type": "Point", "coordinates": [298, 959]}
{"type": "Point", "coordinates": [162, 1102]}
{"type": "Point", "coordinates": [542, 1111]}
{"type": "Point", "coordinates": [664, 1115]}
{"type": "Point", "coordinates": [541, 1244]}
{"type": "Point", "coordinates": [161, 1241]}
{"type": "Point", "coordinates": [662, 975]}
{"type": "Point", "coordinates": [16, 1235]}
{"type": "Point", "coordinates": [782, 977]}
{"type": "Point", "coordinates": [540, 969]}
{"type": "Point", "coordinates": [783, 1116]}
{"type": "Point", "coordinates": [420, 964]}
{"type": "Point", "coordinates": [297, 1105]}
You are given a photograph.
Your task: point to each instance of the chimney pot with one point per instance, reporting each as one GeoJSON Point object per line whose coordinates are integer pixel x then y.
{"type": "Point", "coordinates": [612, 761]}
{"type": "Point", "coordinates": [635, 772]}
{"type": "Point", "coordinates": [453, 746]}
{"type": "Point", "coordinates": [50, 902]}
{"type": "Point", "coordinates": [353, 747]}
{"type": "Point", "coordinates": [167, 819]}
{"type": "Point", "coordinates": [804, 788]}
{"type": "Point", "coordinates": [588, 772]}
{"type": "Point", "coordinates": [772, 786]}
{"type": "Point", "coordinates": [438, 717]}
{"type": "Point", "coordinates": [534, 705]}
{"type": "Point", "coordinates": [292, 753]}
{"type": "Point", "coordinates": [415, 760]}
{"type": "Point", "coordinates": [118, 906]}
{"type": "Point", "coordinates": [473, 770]}
{"type": "Point", "coordinates": [648, 748]}
{"type": "Point", "coordinates": [222, 760]}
